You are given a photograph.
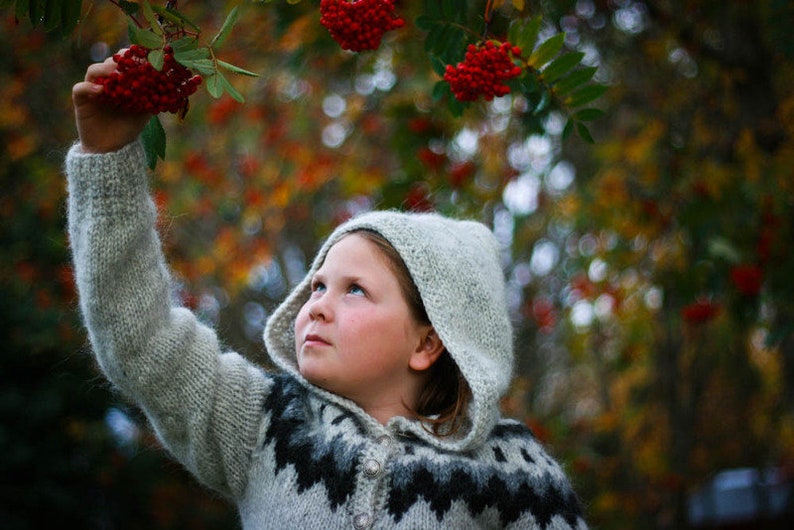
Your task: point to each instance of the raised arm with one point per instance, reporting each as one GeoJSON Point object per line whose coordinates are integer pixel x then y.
{"type": "Point", "coordinates": [205, 405]}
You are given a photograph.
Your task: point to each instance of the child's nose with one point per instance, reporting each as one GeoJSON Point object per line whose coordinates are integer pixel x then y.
{"type": "Point", "coordinates": [319, 308]}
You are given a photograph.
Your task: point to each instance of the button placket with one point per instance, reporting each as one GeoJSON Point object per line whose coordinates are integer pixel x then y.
{"type": "Point", "coordinates": [372, 467]}
{"type": "Point", "coordinates": [361, 521]}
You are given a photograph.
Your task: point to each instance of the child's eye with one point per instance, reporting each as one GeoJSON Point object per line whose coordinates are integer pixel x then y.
{"type": "Point", "coordinates": [318, 286]}
{"type": "Point", "coordinates": [356, 289]}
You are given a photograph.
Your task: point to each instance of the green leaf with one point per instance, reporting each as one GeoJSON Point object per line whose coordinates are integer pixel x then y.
{"type": "Point", "coordinates": [441, 89]}
{"type": "Point", "coordinates": [561, 65]}
{"type": "Point", "coordinates": [236, 69]}
{"type": "Point", "coordinates": [525, 35]}
{"type": "Point", "coordinates": [130, 8]}
{"type": "Point", "coordinates": [70, 15]}
{"type": "Point", "coordinates": [195, 54]}
{"type": "Point", "coordinates": [584, 133]}
{"type": "Point", "coordinates": [52, 15]}
{"type": "Point", "coordinates": [547, 49]}
{"type": "Point", "coordinates": [185, 44]}
{"type": "Point", "coordinates": [143, 37]}
{"type": "Point", "coordinates": [36, 10]}
{"type": "Point", "coordinates": [575, 79]}
{"type": "Point", "coordinates": [148, 14]}
{"type": "Point", "coordinates": [424, 22]}
{"type": "Point", "coordinates": [227, 86]}
{"type": "Point", "coordinates": [439, 66]}
{"type": "Point", "coordinates": [175, 17]}
{"type": "Point", "coordinates": [202, 66]}
{"type": "Point", "coordinates": [226, 28]}
{"type": "Point", "coordinates": [568, 129]}
{"type": "Point", "coordinates": [585, 95]}
{"type": "Point", "coordinates": [543, 103]}
{"type": "Point", "coordinates": [433, 9]}
{"type": "Point", "coordinates": [153, 138]}
{"type": "Point", "coordinates": [156, 59]}
{"type": "Point", "coordinates": [214, 86]}
{"type": "Point", "coordinates": [588, 114]}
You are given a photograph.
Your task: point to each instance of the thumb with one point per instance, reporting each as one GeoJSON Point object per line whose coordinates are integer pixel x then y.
{"type": "Point", "coordinates": [85, 92]}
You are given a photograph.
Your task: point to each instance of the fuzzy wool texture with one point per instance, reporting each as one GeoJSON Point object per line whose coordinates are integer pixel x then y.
{"type": "Point", "coordinates": [287, 454]}
{"type": "Point", "coordinates": [456, 266]}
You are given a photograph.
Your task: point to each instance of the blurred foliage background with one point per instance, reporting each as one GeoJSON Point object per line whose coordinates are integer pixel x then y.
{"type": "Point", "coordinates": [649, 272]}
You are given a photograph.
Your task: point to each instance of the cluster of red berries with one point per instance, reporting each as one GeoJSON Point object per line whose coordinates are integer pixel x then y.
{"type": "Point", "coordinates": [359, 25]}
{"type": "Point", "coordinates": [136, 86]}
{"type": "Point", "coordinates": [483, 71]}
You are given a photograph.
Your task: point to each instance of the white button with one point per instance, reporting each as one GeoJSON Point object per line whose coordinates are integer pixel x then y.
{"type": "Point", "coordinates": [371, 467]}
{"type": "Point", "coordinates": [384, 440]}
{"type": "Point", "coordinates": [362, 520]}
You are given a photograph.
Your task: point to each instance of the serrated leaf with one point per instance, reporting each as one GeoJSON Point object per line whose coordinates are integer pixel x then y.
{"type": "Point", "coordinates": [153, 138]}
{"type": "Point", "coordinates": [584, 132]}
{"type": "Point", "coordinates": [148, 14]}
{"type": "Point", "coordinates": [202, 66]}
{"type": "Point", "coordinates": [546, 50]}
{"type": "Point", "coordinates": [214, 86]}
{"type": "Point", "coordinates": [561, 66]}
{"type": "Point", "coordinates": [575, 79]}
{"type": "Point", "coordinates": [195, 54]}
{"type": "Point", "coordinates": [588, 114]}
{"type": "Point", "coordinates": [236, 69]}
{"type": "Point", "coordinates": [175, 17]}
{"type": "Point", "coordinates": [184, 44]}
{"type": "Point", "coordinates": [226, 28]}
{"type": "Point", "coordinates": [527, 34]}
{"type": "Point", "coordinates": [585, 95]}
{"type": "Point", "coordinates": [227, 86]}
{"type": "Point", "coordinates": [156, 59]}
{"type": "Point", "coordinates": [142, 37]}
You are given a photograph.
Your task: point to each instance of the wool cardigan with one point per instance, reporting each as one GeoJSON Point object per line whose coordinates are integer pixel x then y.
{"type": "Point", "coordinates": [286, 453]}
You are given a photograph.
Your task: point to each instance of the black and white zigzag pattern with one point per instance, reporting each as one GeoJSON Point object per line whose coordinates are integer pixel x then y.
{"type": "Point", "coordinates": [510, 473]}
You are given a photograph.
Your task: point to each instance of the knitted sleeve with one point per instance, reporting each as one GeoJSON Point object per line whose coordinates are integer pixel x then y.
{"type": "Point", "coordinates": [204, 405]}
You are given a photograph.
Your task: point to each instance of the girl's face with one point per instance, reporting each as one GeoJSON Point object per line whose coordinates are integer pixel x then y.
{"type": "Point", "coordinates": [356, 336]}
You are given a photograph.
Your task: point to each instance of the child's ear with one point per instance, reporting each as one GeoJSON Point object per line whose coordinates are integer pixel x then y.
{"type": "Point", "coordinates": [428, 351]}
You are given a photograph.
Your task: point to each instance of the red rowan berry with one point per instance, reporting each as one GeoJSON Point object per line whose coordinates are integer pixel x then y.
{"type": "Point", "coordinates": [359, 25]}
{"type": "Point", "coordinates": [483, 71]}
{"type": "Point", "coordinates": [136, 86]}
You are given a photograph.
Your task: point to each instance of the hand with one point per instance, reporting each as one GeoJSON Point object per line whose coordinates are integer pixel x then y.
{"type": "Point", "coordinates": [101, 127]}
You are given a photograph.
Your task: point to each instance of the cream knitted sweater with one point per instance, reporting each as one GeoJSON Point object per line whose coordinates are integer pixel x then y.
{"type": "Point", "coordinates": [288, 454]}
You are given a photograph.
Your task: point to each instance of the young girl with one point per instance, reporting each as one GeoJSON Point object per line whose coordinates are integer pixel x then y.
{"type": "Point", "coordinates": [394, 352]}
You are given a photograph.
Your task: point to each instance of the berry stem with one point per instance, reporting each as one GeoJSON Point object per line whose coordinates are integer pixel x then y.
{"type": "Point", "coordinates": [487, 19]}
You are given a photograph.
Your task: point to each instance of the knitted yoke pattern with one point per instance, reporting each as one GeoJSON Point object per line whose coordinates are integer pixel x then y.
{"type": "Point", "coordinates": [288, 454]}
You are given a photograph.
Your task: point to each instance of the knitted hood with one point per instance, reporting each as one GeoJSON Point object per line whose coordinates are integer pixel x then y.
{"type": "Point", "coordinates": [456, 267]}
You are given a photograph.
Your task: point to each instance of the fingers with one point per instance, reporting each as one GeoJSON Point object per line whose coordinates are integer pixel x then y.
{"type": "Point", "coordinates": [100, 69]}
{"type": "Point", "coordinates": [84, 92]}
